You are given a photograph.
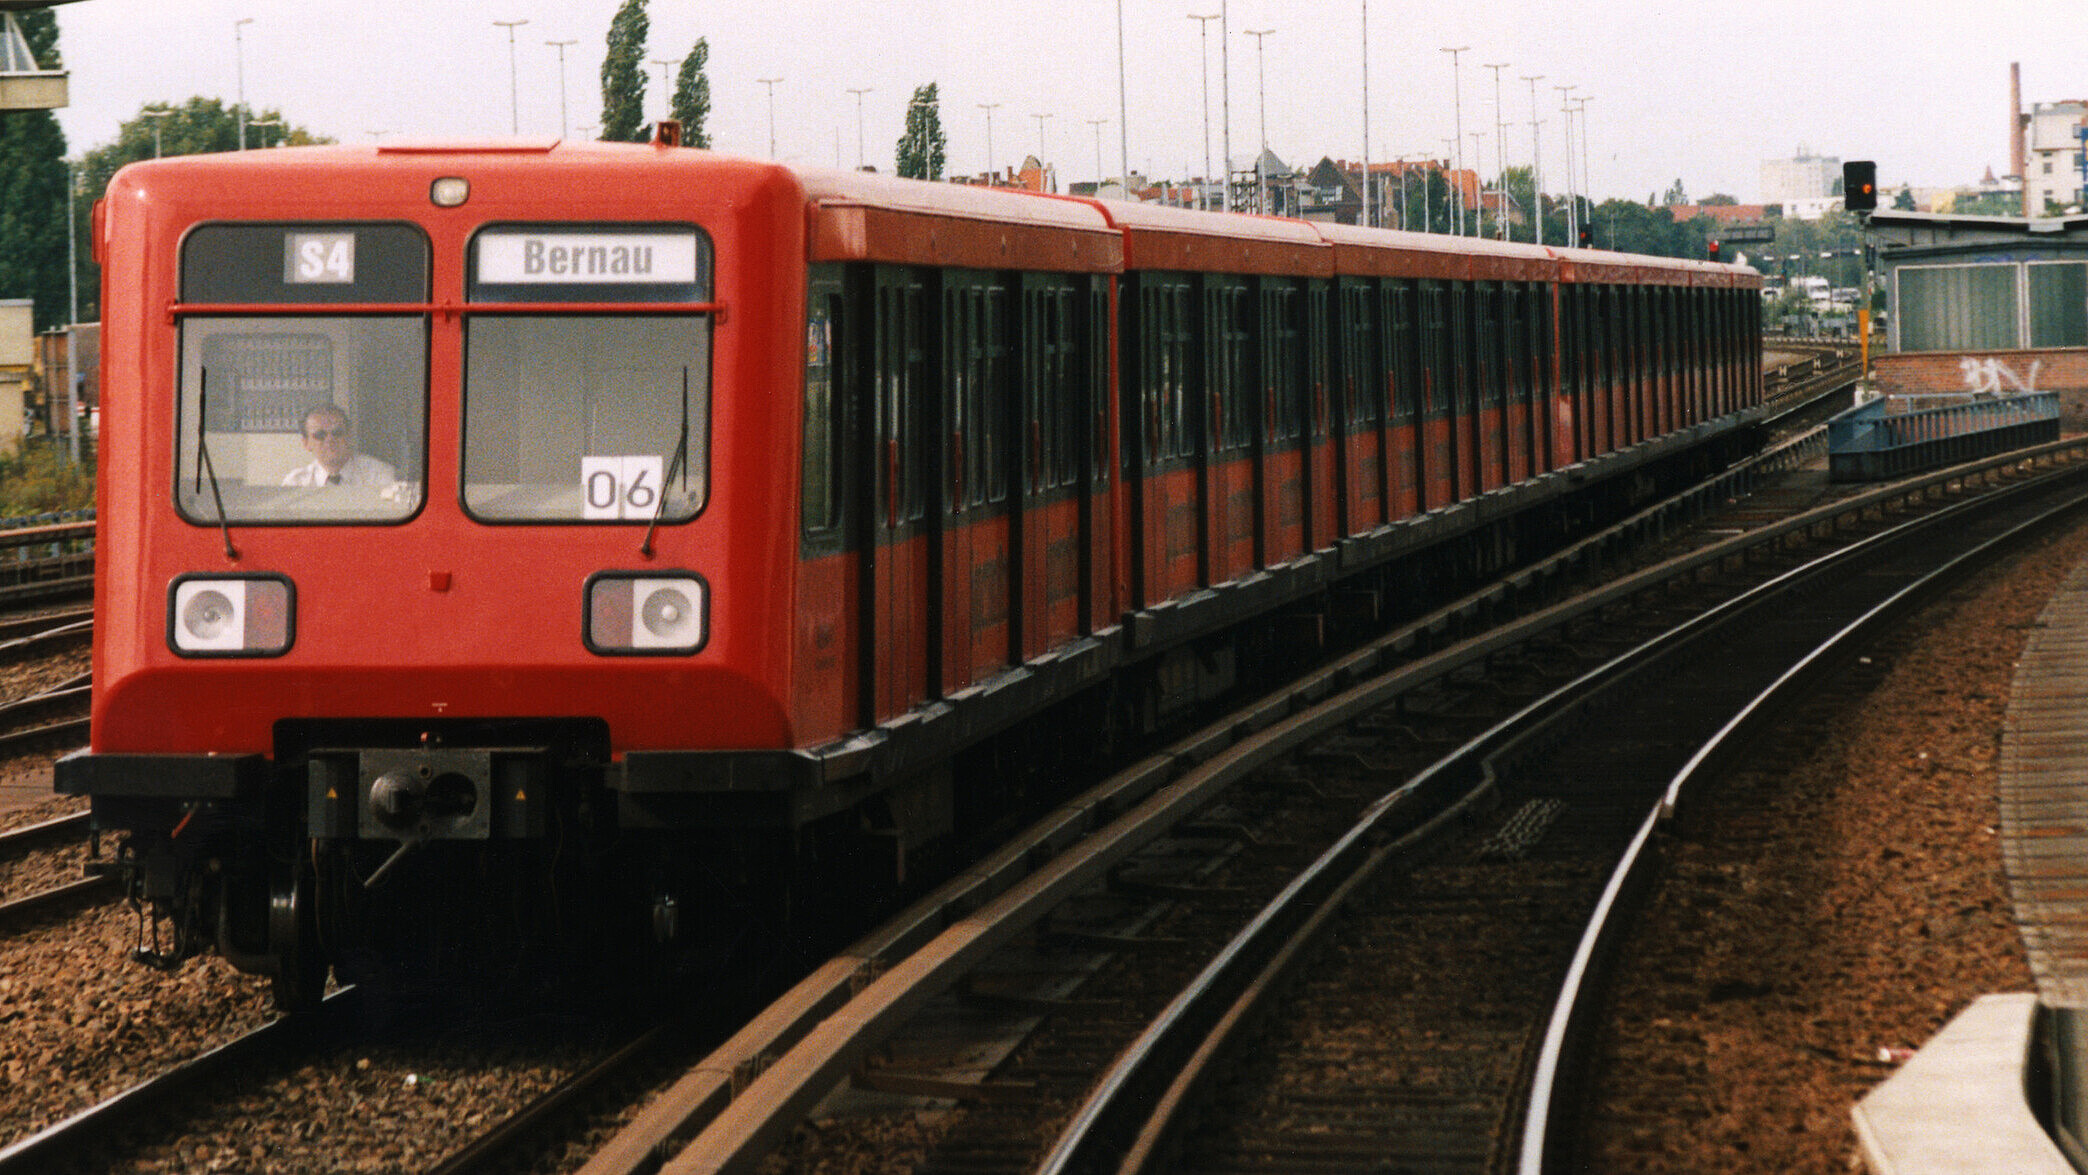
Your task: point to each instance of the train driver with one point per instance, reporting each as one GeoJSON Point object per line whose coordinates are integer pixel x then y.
{"type": "Point", "coordinates": [330, 438]}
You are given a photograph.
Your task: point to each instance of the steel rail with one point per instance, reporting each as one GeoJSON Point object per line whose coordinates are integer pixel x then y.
{"type": "Point", "coordinates": [57, 828]}
{"type": "Point", "coordinates": [15, 911]}
{"type": "Point", "coordinates": [745, 1096]}
{"type": "Point", "coordinates": [1124, 1124]}
{"type": "Point", "coordinates": [1572, 1010]}
{"type": "Point", "coordinates": [47, 1149]}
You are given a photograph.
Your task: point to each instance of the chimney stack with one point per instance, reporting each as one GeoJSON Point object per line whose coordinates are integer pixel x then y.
{"type": "Point", "coordinates": [2018, 153]}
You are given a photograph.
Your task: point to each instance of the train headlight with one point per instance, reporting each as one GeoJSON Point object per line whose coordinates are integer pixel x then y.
{"type": "Point", "coordinates": [646, 614]}
{"type": "Point", "coordinates": [228, 616]}
{"type": "Point", "coordinates": [450, 191]}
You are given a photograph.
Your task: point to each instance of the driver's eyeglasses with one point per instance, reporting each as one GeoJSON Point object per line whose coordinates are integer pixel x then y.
{"type": "Point", "coordinates": [327, 434]}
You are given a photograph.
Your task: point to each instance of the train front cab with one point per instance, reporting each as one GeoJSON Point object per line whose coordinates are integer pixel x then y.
{"type": "Point", "coordinates": [312, 697]}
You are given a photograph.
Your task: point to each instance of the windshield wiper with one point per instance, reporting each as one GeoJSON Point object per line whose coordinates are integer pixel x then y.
{"type": "Point", "coordinates": [204, 465]}
{"type": "Point", "coordinates": [680, 462]}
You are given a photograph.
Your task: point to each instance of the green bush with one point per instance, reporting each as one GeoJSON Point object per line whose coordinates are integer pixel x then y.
{"type": "Point", "coordinates": [43, 479]}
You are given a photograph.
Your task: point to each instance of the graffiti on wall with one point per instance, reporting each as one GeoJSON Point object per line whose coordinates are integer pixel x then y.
{"type": "Point", "coordinates": [1991, 377]}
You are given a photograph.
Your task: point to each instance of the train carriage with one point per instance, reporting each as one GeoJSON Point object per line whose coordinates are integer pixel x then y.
{"type": "Point", "coordinates": [716, 528]}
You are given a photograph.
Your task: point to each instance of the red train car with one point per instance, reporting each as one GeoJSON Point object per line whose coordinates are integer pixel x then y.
{"type": "Point", "coordinates": [601, 534]}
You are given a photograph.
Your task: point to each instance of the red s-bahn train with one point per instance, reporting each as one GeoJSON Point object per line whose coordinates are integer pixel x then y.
{"type": "Point", "coordinates": [502, 543]}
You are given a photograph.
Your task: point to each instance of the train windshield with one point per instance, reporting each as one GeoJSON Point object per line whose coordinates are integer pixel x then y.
{"type": "Point", "coordinates": [579, 417]}
{"type": "Point", "coordinates": [585, 419]}
{"type": "Point", "coordinates": [301, 419]}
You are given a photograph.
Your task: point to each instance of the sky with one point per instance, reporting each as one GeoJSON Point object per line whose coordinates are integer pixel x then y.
{"type": "Point", "coordinates": [1677, 89]}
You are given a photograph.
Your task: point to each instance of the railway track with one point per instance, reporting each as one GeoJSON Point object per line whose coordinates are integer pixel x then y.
{"type": "Point", "coordinates": [80, 1138]}
{"type": "Point", "coordinates": [900, 981]}
{"type": "Point", "coordinates": [1581, 799]}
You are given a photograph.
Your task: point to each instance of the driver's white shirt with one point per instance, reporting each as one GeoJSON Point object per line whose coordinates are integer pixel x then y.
{"type": "Point", "coordinates": [361, 470]}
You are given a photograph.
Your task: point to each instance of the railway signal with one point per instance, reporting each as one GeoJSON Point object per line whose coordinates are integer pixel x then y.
{"type": "Point", "coordinates": [1859, 185]}
{"type": "Point", "coordinates": [1711, 249]}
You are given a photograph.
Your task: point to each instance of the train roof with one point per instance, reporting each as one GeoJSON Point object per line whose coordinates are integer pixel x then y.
{"type": "Point", "coordinates": [1379, 252]}
{"type": "Point", "coordinates": [861, 216]}
{"type": "Point", "coordinates": [1159, 237]}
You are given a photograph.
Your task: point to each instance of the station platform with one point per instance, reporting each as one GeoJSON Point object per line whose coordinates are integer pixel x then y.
{"type": "Point", "coordinates": [1960, 1105]}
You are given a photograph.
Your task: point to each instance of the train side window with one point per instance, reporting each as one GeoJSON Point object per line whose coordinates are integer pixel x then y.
{"type": "Point", "coordinates": [1403, 354]}
{"type": "Point", "coordinates": [823, 327]}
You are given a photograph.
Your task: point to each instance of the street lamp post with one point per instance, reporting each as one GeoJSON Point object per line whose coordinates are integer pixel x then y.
{"type": "Point", "coordinates": [666, 87]}
{"type": "Point", "coordinates": [989, 108]}
{"type": "Point", "coordinates": [1097, 123]}
{"type": "Point", "coordinates": [1457, 105]}
{"type": "Point", "coordinates": [239, 68]}
{"type": "Point", "coordinates": [1261, 182]}
{"type": "Point", "coordinates": [859, 92]}
{"type": "Point", "coordinates": [1454, 185]}
{"type": "Point", "coordinates": [1203, 57]}
{"type": "Point", "coordinates": [770, 85]}
{"type": "Point", "coordinates": [1479, 183]}
{"type": "Point", "coordinates": [1588, 180]}
{"type": "Point", "coordinates": [1225, 102]}
{"type": "Point", "coordinates": [564, 121]}
{"type": "Point", "coordinates": [1536, 162]}
{"type": "Point", "coordinates": [1123, 109]}
{"type": "Point", "coordinates": [1366, 116]}
{"type": "Point", "coordinates": [514, 99]}
{"type": "Point", "coordinates": [1501, 154]}
{"type": "Point", "coordinates": [1040, 137]}
{"type": "Point", "coordinates": [158, 118]}
{"type": "Point", "coordinates": [1572, 200]}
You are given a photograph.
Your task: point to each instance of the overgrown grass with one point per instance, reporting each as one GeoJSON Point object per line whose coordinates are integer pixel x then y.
{"type": "Point", "coordinates": [42, 479]}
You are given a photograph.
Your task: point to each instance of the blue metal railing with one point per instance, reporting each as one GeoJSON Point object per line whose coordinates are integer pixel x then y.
{"type": "Point", "coordinates": [1883, 438]}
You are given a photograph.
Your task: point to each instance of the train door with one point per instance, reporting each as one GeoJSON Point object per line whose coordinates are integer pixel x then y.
{"type": "Point", "coordinates": [1522, 443]}
{"type": "Point", "coordinates": [1279, 432]}
{"type": "Point", "coordinates": [898, 659]}
{"type": "Point", "coordinates": [1360, 378]}
{"type": "Point", "coordinates": [1399, 337]}
{"type": "Point", "coordinates": [1616, 368]}
{"type": "Point", "coordinates": [1161, 414]}
{"type": "Point", "coordinates": [1463, 386]}
{"type": "Point", "coordinates": [976, 576]}
{"type": "Point", "coordinates": [1322, 509]}
{"type": "Point", "coordinates": [1101, 509]}
{"type": "Point", "coordinates": [1057, 424]}
{"type": "Point", "coordinates": [828, 694]}
{"type": "Point", "coordinates": [1572, 386]}
{"type": "Point", "coordinates": [1438, 401]}
{"type": "Point", "coordinates": [1226, 469]}
{"type": "Point", "coordinates": [1483, 360]}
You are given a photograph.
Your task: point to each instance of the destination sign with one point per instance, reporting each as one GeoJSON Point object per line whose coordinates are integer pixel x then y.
{"type": "Point", "coordinates": [566, 259]}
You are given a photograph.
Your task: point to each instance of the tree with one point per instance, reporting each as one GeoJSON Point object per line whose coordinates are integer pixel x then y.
{"type": "Point", "coordinates": [692, 96]}
{"type": "Point", "coordinates": [32, 193]}
{"type": "Point", "coordinates": [201, 126]}
{"type": "Point", "coordinates": [623, 75]}
{"type": "Point", "coordinates": [1675, 194]}
{"type": "Point", "coordinates": [1904, 202]}
{"type": "Point", "coordinates": [921, 148]}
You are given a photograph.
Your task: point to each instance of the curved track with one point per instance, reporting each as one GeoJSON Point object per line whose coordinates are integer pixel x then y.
{"type": "Point", "coordinates": [833, 1051]}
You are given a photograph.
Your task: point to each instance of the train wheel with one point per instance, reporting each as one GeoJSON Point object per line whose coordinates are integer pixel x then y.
{"type": "Point", "coordinates": [300, 977]}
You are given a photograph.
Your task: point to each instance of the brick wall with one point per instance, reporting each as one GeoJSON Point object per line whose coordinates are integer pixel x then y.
{"type": "Point", "coordinates": [2059, 370]}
